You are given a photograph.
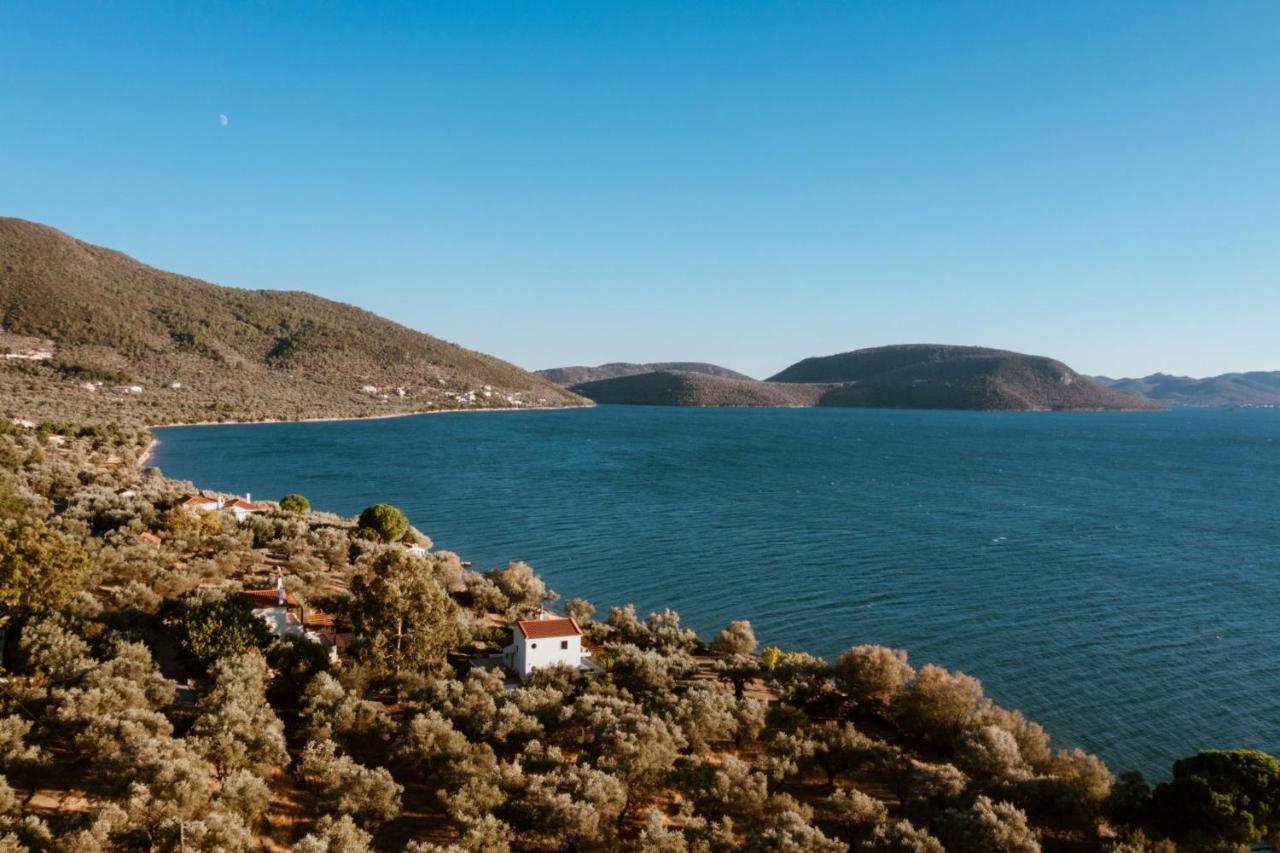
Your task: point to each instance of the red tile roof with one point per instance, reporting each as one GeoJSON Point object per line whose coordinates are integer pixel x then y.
{"type": "Point", "coordinates": [148, 536]}
{"type": "Point", "coordinates": [266, 598]}
{"type": "Point", "coordinates": [197, 500]}
{"type": "Point", "coordinates": [541, 629]}
{"type": "Point", "coordinates": [318, 620]}
{"type": "Point", "coordinates": [241, 503]}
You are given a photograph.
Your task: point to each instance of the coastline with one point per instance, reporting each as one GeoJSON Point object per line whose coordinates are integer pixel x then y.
{"type": "Point", "coordinates": [155, 441]}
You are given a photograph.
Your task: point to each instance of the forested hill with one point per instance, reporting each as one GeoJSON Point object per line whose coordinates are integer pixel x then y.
{"type": "Point", "coordinates": [954, 377]}
{"type": "Point", "coordinates": [75, 314]}
{"type": "Point", "coordinates": [913, 376]}
{"type": "Point", "coordinates": [569, 376]}
{"type": "Point", "coordinates": [672, 388]}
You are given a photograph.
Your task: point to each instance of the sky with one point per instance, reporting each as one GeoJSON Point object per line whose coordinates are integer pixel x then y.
{"type": "Point", "coordinates": [743, 183]}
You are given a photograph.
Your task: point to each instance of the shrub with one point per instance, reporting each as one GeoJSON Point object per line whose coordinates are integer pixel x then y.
{"type": "Point", "coordinates": [296, 504]}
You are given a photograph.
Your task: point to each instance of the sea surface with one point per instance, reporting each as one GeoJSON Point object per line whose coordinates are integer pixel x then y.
{"type": "Point", "coordinates": [1115, 576]}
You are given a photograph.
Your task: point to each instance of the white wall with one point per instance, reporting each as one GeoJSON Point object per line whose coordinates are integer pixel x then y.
{"type": "Point", "coordinates": [277, 619]}
{"type": "Point", "coordinates": [534, 654]}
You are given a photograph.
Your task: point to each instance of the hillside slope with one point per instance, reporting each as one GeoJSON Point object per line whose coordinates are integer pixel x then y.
{"type": "Point", "coordinates": [954, 377]}
{"type": "Point", "coordinates": [569, 376]}
{"type": "Point", "coordinates": [200, 351]}
{"type": "Point", "coordinates": [672, 388]}
{"type": "Point", "coordinates": [1252, 388]}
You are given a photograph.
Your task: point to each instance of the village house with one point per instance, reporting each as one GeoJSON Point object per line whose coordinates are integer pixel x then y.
{"type": "Point", "coordinates": [543, 642]}
{"type": "Point", "coordinates": [242, 508]}
{"type": "Point", "coordinates": [200, 503]}
{"type": "Point", "coordinates": [280, 610]}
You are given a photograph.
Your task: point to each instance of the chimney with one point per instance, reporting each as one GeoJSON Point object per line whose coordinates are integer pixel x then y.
{"type": "Point", "coordinates": [280, 590]}
{"type": "Point", "coordinates": [247, 498]}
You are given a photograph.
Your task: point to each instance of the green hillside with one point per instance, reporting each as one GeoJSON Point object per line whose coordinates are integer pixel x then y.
{"type": "Point", "coordinates": [938, 376]}
{"type": "Point", "coordinates": [236, 354]}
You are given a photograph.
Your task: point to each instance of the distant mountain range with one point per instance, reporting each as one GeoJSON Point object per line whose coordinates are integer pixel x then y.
{"type": "Point", "coordinates": [567, 376]}
{"type": "Point", "coordinates": [1254, 388]}
{"type": "Point", "coordinates": [165, 347]}
{"type": "Point", "coordinates": [931, 376]}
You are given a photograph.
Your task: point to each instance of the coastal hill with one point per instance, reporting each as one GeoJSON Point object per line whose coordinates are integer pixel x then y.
{"type": "Point", "coordinates": [166, 347]}
{"type": "Point", "coordinates": [938, 376]}
{"type": "Point", "coordinates": [919, 376]}
{"type": "Point", "coordinates": [1253, 388]}
{"type": "Point", "coordinates": [569, 376]}
{"type": "Point", "coordinates": [675, 388]}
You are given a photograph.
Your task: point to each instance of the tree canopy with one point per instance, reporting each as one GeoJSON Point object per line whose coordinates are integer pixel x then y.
{"type": "Point", "coordinates": [296, 504]}
{"type": "Point", "coordinates": [382, 522]}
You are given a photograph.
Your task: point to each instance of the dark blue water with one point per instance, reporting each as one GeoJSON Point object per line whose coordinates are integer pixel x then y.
{"type": "Point", "coordinates": [1114, 576]}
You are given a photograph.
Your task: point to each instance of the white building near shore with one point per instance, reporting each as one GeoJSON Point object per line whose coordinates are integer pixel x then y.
{"type": "Point", "coordinates": [538, 643]}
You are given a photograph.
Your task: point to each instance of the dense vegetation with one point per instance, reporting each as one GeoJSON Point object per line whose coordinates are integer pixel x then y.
{"type": "Point", "coordinates": [200, 352]}
{"type": "Point", "coordinates": [568, 376]}
{"type": "Point", "coordinates": [667, 388]}
{"type": "Point", "coordinates": [917, 376]}
{"type": "Point", "coordinates": [144, 707]}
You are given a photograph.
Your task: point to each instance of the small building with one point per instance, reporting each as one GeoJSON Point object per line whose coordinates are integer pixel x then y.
{"type": "Point", "coordinates": [548, 641]}
{"type": "Point", "coordinates": [200, 503]}
{"type": "Point", "coordinates": [277, 608]}
{"type": "Point", "coordinates": [150, 538]}
{"type": "Point", "coordinates": [242, 508]}
{"type": "Point", "coordinates": [127, 492]}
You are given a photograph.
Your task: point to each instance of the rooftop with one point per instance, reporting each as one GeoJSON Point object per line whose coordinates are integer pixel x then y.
{"type": "Point", "coordinates": [541, 629]}
{"type": "Point", "coordinates": [267, 598]}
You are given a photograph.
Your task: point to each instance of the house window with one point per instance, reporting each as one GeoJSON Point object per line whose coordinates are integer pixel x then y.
{"type": "Point", "coordinates": [564, 644]}
{"type": "Point", "coordinates": [533, 645]}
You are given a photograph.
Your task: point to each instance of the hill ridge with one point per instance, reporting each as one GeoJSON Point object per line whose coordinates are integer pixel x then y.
{"type": "Point", "coordinates": [204, 351]}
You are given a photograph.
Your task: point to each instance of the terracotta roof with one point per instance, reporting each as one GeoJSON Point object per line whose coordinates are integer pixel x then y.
{"type": "Point", "coordinates": [343, 641]}
{"type": "Point", "coordinates": [318, 620]}
{"type": "Point", "coordinates": [241, 503]}
{"type": "Point", "coordinates": [148, 536]}
{"type": "Point", "coordinates": [197, 500]}
{"type": "Point", "coordinates": [541, 629]}
{"type": "Point", "coordinates": [266, 598]}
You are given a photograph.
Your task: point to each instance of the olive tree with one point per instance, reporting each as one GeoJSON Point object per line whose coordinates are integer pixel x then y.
{"type": "Point", "coordinates": [940, 704]}
{"type": "Point", "coordinates": [369, 795]}
{"type": "Point", "coordinates": [873, 675]}
{"type": "Point", "coordinates": [989, 827]}
{"type": "Point", "coordinates": [236, 728]}
{"type": "Point", "coordinates": [735, 639]}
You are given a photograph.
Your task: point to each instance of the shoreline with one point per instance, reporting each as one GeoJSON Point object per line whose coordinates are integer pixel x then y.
{"type": "Point", "coordinates": [155, 441]}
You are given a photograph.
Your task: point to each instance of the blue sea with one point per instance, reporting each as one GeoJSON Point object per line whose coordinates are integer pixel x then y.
{"type": "Point", "coordinates": [1114, 576]}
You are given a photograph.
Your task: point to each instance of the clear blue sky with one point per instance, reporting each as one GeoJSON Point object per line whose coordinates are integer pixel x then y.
{"type": "Point", "coordinates": [744, 183]}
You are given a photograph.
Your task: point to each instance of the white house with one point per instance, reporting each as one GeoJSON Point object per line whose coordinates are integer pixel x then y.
{"type": "Point", "coordinates": [277, 608]}
{"type": "Point", "coordinates": [242, 508]}
{"type": "Point", "coordinates": [200, 503]}
{"type": "Point", "coordinates": [544, 642]}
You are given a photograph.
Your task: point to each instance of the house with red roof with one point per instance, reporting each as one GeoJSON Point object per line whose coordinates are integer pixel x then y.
{"type": "Point", "coordinates": [199, 503]}
{"type": "Point", "coordinates": [280, 610]}
{"type": "Point", "coordinates": [242, 508]}
{"type": "Point", "coordinates": [546, 641]}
